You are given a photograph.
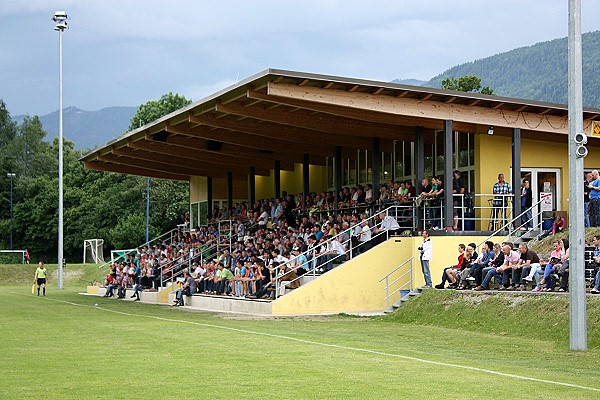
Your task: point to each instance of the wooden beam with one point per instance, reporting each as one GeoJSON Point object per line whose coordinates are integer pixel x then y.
{"type": "Point", "coordinates": [403, 126]}
{"type": "Point", "coordinates": [423, 109]}
{"type": "Point", "coordinates": [180, 162]}
{"type": "Point", "coordinates": [119, 169]}
{"type": "Point", "coordinates": [334, 126]}
{"type": "Point", "coordinates": [247, 139]}
{"type": "Point", "coordinates": [290, 134]}
{"type": "Point", "coordinates": [205, 156]}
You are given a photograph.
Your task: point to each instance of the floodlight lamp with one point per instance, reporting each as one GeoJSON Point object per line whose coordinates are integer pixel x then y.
{"type": "Point", "coordinates": [60, 16]}
{"type": "Point", "coordinates": [61, 26]}
{"type": "Point", "coordinates": [490, 130]}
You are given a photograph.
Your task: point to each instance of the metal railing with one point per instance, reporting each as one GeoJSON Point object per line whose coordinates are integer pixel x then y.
{"type": "Point", "coordinates": [350, 250]}
{"type": "Point", "coordinates": [389, 284]}
{"type": "Point", "coordinates": [509, 227]}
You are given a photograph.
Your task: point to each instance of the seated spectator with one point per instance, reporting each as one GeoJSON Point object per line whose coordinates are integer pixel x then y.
{"type": "Point", "coordinates": [484, 260]}
{"type": "Point", "coordinates": [222, 280]}
{"type": "Point", "coordinates": [458, 266]}
{"type": "Point", "coordinates": [470, 259]}
{"type": "Point", "coordinates": [187, 289]}
{"type": "Point", "coordinates": [529, 261]}
{"type": "Point", "coordinates": [558, 225]}
{"type": "Point", "coordinates": [549, 266]}
{"type": "Point", "coordinates": [388, 227]}
{"type": "Point", "coordinates": [500, 269]}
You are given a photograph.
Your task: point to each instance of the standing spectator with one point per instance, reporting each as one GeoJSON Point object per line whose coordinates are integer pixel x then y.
{"type": "Point", "coordinates": [501, 202]}
{"type": "Point", "coordinates": [526, 203]}
{"type": "Point", "coordinates": [426, 255]}
{"type": "Point", "coordinates": [457, 189]}
{"type": "Point", "coordinates": [26, 255]}
{"type": "Point", "coordinates": [586, 199]}
{"type": "Point", "coordinates": [594, 187]}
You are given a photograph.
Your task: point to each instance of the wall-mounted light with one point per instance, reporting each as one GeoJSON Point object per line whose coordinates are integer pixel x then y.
{"type": "Point", "coordinates": [490, 130]}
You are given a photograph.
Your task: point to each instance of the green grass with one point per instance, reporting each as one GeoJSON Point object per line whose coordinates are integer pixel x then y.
{"type": "Point", "coordinates": [70, 349]}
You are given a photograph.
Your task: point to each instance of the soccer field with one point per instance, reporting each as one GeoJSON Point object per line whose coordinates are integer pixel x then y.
{"type": "Point", "coordinates": [64, 346]}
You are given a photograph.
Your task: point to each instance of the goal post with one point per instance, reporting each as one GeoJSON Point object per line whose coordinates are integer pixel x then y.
{"type": "Point", "coordinates": [93, 251]}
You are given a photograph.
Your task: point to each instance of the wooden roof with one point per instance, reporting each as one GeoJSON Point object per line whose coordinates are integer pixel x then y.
{"type": "Point", "coordinates": [282, 115]}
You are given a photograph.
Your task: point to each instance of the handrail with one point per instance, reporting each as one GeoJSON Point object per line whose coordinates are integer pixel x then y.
{"type": "Point", "coordinates": [397, 268]}
{"type": "Point", "coordinates": [277, 269]}
{"type": "Point", "coordinates": [509, 223]}
{"type": "Point", "coordinates": [388, 284]}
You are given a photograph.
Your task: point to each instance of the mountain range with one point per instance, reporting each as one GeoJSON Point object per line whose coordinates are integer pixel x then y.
{"type": "Point", "coordinates": [537, 72]}
{"type": "Point", "coordinates": [88, 129]}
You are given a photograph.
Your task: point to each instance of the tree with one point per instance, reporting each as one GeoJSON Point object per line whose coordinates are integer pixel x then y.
{"type": "Point", "coordinates": [153, 110]}
{"type": "Point", "coordinates": [468, 83]}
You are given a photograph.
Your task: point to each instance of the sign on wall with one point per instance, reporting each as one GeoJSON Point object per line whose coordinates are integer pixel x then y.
{"type": "Point", "coordinates": [547, 203]}
{"type": "Point", "coordinates": [595, 128]}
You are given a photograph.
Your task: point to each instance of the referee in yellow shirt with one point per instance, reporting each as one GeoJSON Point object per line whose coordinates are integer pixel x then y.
{"type": "Point", "coordinates": [40, 277]}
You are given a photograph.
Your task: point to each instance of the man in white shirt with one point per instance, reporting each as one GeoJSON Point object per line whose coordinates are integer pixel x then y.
{"type": "Point", "coordinates": [388, 225]}
{"type": "Point", "coordinates": [426, 255]}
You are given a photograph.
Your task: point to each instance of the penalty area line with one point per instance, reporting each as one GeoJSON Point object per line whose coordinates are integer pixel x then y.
{"type": "Point", "coordinates": [329, 345]}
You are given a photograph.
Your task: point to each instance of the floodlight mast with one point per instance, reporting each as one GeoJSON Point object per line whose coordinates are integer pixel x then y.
{"type": "Point", "coordinates": [577, 295]}
{"type": "Point", "coordinates": [60, 17]}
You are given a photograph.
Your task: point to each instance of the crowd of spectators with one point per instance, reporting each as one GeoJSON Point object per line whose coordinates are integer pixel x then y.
{"type": "Point", "coordinates": [511, 269]}
{"type": "Point", "coordinates": [247, 251]}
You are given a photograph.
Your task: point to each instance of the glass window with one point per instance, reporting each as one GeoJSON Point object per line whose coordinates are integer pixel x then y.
{"type": "Point", "coordinates": [386, 170]}
{"type": "Point", "coordinates": [352, 172]}
{"type": "Point", "coordinates": [329, 167]}
{"type": "Point", "coordinates": [471, 137]}
{"type": "Point", "coordinates": [409, 149]}
{"type": "Point", "coordinates": [463, 149]}
{"type": "Point", "coordinates": [439, 141]}
{"type": "Point", "coordinates": [429, 151]}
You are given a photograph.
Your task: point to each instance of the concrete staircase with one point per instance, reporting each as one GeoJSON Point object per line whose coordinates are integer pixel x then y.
{"type": "Point", "coordinates": [412, 294]}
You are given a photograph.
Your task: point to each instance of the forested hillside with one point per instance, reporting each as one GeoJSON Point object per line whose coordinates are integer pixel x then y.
{"type": "Point", "coordinates": [100, 205]}
{"type": "Point", "coordinates": [537, 72]}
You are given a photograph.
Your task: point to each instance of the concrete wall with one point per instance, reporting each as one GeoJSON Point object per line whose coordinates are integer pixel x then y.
{"type": "Point", "coordinates": [354, 286]}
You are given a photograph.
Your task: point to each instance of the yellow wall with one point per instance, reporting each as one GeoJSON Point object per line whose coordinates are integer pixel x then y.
{"type": "Point", "coordinates": [291, 182]}
{"type": "Point", "coordinates": [354, 286]}
{"type": "Point", "coordinates": [495, 156]}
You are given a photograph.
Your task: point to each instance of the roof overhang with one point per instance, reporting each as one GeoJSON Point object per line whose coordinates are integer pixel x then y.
{"type": "Point", "coordinates": [283, 115]}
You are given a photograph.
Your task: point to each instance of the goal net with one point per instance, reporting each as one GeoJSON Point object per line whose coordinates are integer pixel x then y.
{"type": "Point", "coordinates": [93, 251]}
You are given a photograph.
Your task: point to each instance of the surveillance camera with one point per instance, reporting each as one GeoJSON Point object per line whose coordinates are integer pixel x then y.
{"type": "Point", "coordinates": [581, 151]}
{"type": "Point", "coordinates": [60, 16]}
{"type": "Point", "coordinates": [580, 138]}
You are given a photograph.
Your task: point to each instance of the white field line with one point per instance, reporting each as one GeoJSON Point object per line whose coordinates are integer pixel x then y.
{"type": "Point", "coordinates": [335, 346]}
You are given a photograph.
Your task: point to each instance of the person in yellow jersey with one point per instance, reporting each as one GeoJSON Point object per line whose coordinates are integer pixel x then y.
{"type": "Point", "coordinates": [40, 278]}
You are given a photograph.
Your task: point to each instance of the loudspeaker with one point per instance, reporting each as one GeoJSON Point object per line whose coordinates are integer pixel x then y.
{"type": "Point", "coordinates": [214, 145]}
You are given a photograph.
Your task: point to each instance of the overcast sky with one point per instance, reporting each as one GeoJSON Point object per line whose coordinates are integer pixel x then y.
{"type": "Point", "coordinates": [125, 52]}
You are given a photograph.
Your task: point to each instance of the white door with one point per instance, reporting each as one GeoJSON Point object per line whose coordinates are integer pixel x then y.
{"type": "Point", "coordinates": [545, 183]}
